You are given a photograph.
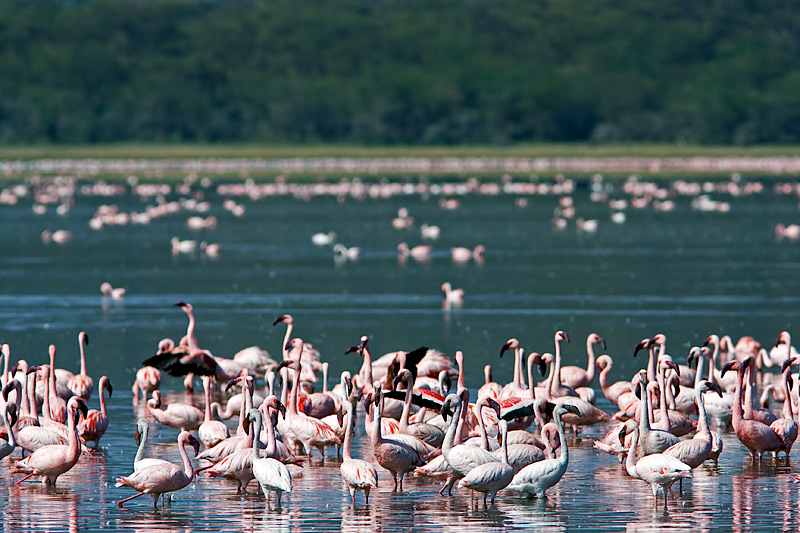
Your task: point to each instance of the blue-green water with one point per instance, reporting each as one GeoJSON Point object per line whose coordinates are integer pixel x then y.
{"type": "Point", "coordinates": [685, 273]}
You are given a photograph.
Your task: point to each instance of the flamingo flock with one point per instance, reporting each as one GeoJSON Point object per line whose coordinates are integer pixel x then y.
{"type": "Point", "coordinates": [512, 439]}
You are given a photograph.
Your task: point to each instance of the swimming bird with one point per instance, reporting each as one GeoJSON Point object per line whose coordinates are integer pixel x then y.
{"type": "Point", "coordinates": [115, 293]}
{"type": "Point", "coordinates": [158, 479]}
{"type": "Point", "coordinates": [450, 296]}
{"type": "Point", "coordinates": [175, 415]}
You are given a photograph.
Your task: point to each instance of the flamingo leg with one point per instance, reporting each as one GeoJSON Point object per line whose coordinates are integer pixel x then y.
{"type": "Point", "coordinates": [366, 495]}
{"type": "Point", "coordinates": [23, 479]}
{"type": "Point", "coordinates": [129, 498]}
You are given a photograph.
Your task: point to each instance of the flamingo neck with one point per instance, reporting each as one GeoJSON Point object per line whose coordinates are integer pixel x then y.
{"type": "Point", "coordinates": [30, 381]}
{"type": "Point", "coordinates": [272, 444]}
{"type": "Point", "coordinates": [564, 457]}
{"type": "Point", "coordinates": [645, 411]}
{"type": "Point", "coordinates": [504, 445]}
{"type": "Point", "coordinates": [452, 429]}
{"type": "Point", "coordinates": [517, 356]}
{"type": "Point", "coordinates": [74, 446]}
{"type": "Point", "coordinates": [366, 367]}
{"type": "Point", "coordinates": [103, 399]}
{"type": "Point", "coordinates": [557, 365]}
{"type": "Point", "coordinates": [590, 369]}
{"type": "Point", "coordinates": [83, 356]}
{"type": "Point", "coordinates": [530, 377]}
{"type": "Point", "coordinates": [256, 433]}
{"type": "Point", "coordinates": [286, 338]}
{"type": "Point", "coordinates": [478, 410]}
{"type": "Point", "coordinates": [12, 439]}
{"type": "Point", "coordinates": [348, 432]}
{"type": "Point", "coordinates": [190, 337]}
{"type": "Point", "coordinates": [292, 408]}
{"type": "Point", "coordinates": [406, 406]}
{"type": "Point", "coordinates": [788, 413]}
{"type": "Point", "coordinates": [206, 397]}
{"type": "Point", "coordinates": [605, 369]}
{"type": "Point", "coordinates": [662, 394]}
{"type": "Point", "coordinates": [183, 440]}
{"type": "Point", "coordinates": [652, 367]}
{"type": "Point", "coordinates": [142, 443]}
{"type": "Point", "coordinates": [46, 398]}
{"type": "Point", "coordinates": [702, 417]}
{"type": "Point", "coordinates": [738, 416]}
{"type": "Point", "coordinates": [748, 392]}
{"type": "Point", "coordinates": [631, 460]}
{"type": "Point", "coordinates": [325, 378]}
{"type": "Point", "coordinates": [698, 375]}
{"type": "Point", "coordinates": [713, 366]}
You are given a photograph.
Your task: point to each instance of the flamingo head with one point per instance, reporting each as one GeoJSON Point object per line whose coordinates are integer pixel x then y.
{"type": "Point", "coordinates": [733, 365]}
{"type": "Point", "coordinates": [491, 402]}
{"type": "Point", "coordinates": [195, 444]}
{"type": "Point", "coordinates": [360, 347]}
{"type": "Point", "coordinates": [340, 415]}
{"type": "Point", "coordinates": [539, 361]}
{"type": "Point", "coordinates": [712, 340]}
{"type": "Point", "coordinates": [641, 345]}
{"type": "Point", "coordinates": [295, 343]}
{"type": "Point", "coordinates": [403, 375]}
{"type": "Point", "coordinates": [694, 355]}
{"type": "Point", "coordinates": [714, 387]}
{"type": "Point", "coordinates": [8, 388]}
{"type": "Point", "coordinates": [183, 305]}
{"type": "Point", "coordinates": [594, 338]}
{"type": "Point", "coordinates": [561, 336]}
{"type": "Point", "coordinates": [78, 405]}
{"type": "Point", "coordinates": [141, 429]}
{"type": "Point", "coordinates": [83, 338]}
{"type": "Point", "coordinates": [564, 408]}
{"type": "Point", "coordinates": [283, 319]}
{"type": "Point", "coordinates": [783, 338]}
{"type": "Point", "coordinates": [510, 344]}
{"type": "Point", "coordinates": [11, 410]}
{"type": "Point", "coordinates": [448, 407]}
{"type": "Point", "coordinates": [669, 363]}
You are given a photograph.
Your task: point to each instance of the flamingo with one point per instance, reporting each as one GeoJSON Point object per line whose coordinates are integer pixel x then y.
{"type": "Point", "coordinates": [695, 451]}
{"type": "Point", "coordinates": [554, 385]}
{"type": "Point", "coordinates": [612, 391]}
{"type": "Point", "coordinates": [96, 422]}
{"type": "Point", "coordinates": [82, 384]}
{"type": "Point", "coordinates": [175, 415]}
{"type": "Point", "coordinates": [108, 290]}
{"type": "Point", "coordinates": [461, 254]}
{"type": "Point", "coordinates": [58, 406]}
{"type": "Point", "coordinates": [536, 478]}
{"type": "Point", "coordinates": [238, 466]}
{"type": "Point", "coordinates": [310, 431]}
{"type": "Point", "coordinates": [9, 413]}
{"type": "Point", "coordinates": [33, 436]}
{"type": "Point", "coordinates": [211, 431]}
{"type": "Point", "coordinates": [489, 387]}
{"type": "Point", "coordinates": [516, 387]}
{"type": "Point", "coordinates": [756, 436]}
{"type": "Point", "coordinates": [764, 416]}
{"type": "Point", "coordinates": [392, 453]}
{"type": "Point", "coordinates": [657, 469]}
{"type": "Point", "coordinates": [53, 460]}
{"type": "Point", "coordinates": [575, 376]}
{"type": "Point", "coordinates": [139, 461]}
{"type": "Point", "coordinates": [148, 379]}
{"type": "Point", "coordinates": [492, 477]}
{"type": "Point", "coordinates": [158, 479]}
{"type": "Point", "coordinates": [423, 431]}
{"type": "Point", "coordinates": [611, 443]}
{"type": "Point", "coordinates": [450, 296]}
{"type": "Point", "coordinates": [786, 426]}
{"type": "Point", "coordinates": [357, 473]}
{"type": "Point", "coordinates": [420, 253]}
{"type": "Point", "coordinates": [271, 474]}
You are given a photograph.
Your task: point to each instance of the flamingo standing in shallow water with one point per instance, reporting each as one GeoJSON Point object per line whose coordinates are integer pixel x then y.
{"type": "Point", "coordinates": [96, 422]}
{"type": "Point", "coordinates": [175, 415]}
{"type": "Point", "coordinates": [82, 384]}
{"type": "Point", "coordinates": [657, 469]}
{"type": "Point", "coordinates": [159, 479]}
{"type": "Point", "coordinates": [490, 478]}
{"type": "Point", "coordinates": [271, 474]}
{"type": "Point", "coordinates": [53, 460]}
{"type": "Point", "coordinates": [536, 478]}
{"type": "Point", "coordinates": [211, 432]}
{"type": "Point", "coordinates": [357, 473]}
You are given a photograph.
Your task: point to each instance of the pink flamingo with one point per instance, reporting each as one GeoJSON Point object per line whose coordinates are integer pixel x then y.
{"type": "Point", "coordinates": [575, 376]}
{"type": "Point", "coordinates": [536, 478]}
{"type": "Point", "coordinates": [211, 431]}
{"type": "Point", "coordinates": [516, 387]}
{"type": "Point", "coordinates": [53, 460]}
{"type": "Point", "coordinates": [58, 406]}
{"type": "Point", "coordinates": [391, 453]}
{"type": "Point", "coordinates": [148, 379]}
{"type": "Point", "coordinates": [156, 480]}
{"type": "Point", "coordinates": [765, 416]}
{"type": "Point", "coordinates": [357, 473]}
{"type": "Point", "coordinates": [271, 474]}
{"type": "Point", "coordinates": [612, 391]}
{"type": "Point", "coordinates": [175, 415]}
{"type": "Point", "coordinates": [82, 384]}
{"type": "Point", "coordinates": [786, 426]}
{"type": "Point", "coordinates": [658, 470]}
{"type": "Point", "coordinates": [756, 436]}
{"type": "Point", "coordinates": [555, 387]}
{"type": "Point", "coordinates": [490, 478]}
{"type": "Point", "coordinates": [310, 431]}
{"type": "Point", "coordinates": [95, 424]}
{"type": "Point", "coordinates": [33, 436]}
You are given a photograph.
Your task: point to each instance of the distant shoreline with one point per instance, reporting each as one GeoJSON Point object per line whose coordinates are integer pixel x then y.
{"type": "Point", "coordinates": [382, 166]}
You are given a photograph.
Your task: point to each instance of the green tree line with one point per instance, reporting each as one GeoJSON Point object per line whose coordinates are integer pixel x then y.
{"type": "Point", "coordinates": [419, 72]}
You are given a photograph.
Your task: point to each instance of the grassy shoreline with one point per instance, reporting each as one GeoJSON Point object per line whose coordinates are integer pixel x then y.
{"type": "Point", "coordinates": [212, 151]}
{"type": "Point", "coordinates": [303, 163]}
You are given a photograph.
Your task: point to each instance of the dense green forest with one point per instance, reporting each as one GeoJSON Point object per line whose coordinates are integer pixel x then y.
{"type": "Point", "coordinates": [384, 72]}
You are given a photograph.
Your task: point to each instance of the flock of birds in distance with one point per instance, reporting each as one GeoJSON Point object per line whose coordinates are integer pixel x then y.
{"type": "Point", "coordinates": [512, 437]}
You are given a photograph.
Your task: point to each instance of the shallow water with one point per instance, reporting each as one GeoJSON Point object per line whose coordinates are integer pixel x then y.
{"type": "Point", "coordinates": [686, 273]}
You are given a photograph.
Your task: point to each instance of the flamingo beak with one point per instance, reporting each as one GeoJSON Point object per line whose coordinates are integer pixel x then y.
{"type": "Point", "coordinates": [283, 364]}
{"type": "Point", "coordinates": [726, 367]}
{"type": "Point", "coordinates": [348, 386]}
{"type": "Point", "coordinates": [32, 369]}
{"type": "Point", "coordinates": [602, 342]}
{"type": "Point", "coordinates": [8, 388]}
{"type": "Point", "coordinates": [195, 445]}
{"type": "Point", "coordinates": [278, 320]}
{"type": "Point", "coordinates": [674, 366]}
{"type": "Point", "coordinates": [180, 304]}
{"type": "Point", "coordinates": [645, 343]}
{"type": "Point", "coordinates": [340, 416]}
{"type": "Point", "coordinates": [137, 437]}
{"type": "Point", "coordinates": [503, 349]}
{"type": "Point", "coordinates": [109, 388]}
{"type": "Point", "coordinates": [571, 409]}
{"type": "Point", "coordinates": [786, 364]}
{"type": "Point", "coordinates": [232, 383]}
{"type": "Point", "coordinates": [622, 433]}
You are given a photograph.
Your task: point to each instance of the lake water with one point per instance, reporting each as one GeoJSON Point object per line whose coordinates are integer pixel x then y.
{"type": "Point", "coordinates": [711, 264]}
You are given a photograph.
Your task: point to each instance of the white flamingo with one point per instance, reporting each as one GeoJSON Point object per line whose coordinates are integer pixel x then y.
{"type": "Point", "coordinates": [357, 473]}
